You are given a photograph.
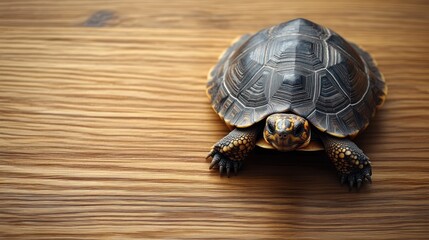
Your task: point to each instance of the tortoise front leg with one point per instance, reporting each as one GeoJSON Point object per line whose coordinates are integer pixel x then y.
{"type": "Point", "coordinates": [351, 163]}
{"type": "Point", "coordinates": [231, 150]}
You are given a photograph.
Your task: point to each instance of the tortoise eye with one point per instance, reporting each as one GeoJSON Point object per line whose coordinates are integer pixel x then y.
{"type": "Point", "coordinates": [270, 127]}
{"type": "Point", "coordinates": [298, 129]}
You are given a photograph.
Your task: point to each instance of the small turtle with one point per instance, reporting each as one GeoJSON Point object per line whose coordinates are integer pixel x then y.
{"type": "Point", "coordinates": [295, 86]}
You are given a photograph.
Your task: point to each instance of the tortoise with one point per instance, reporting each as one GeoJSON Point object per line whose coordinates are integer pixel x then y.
{"type": "Point", "coordinates": [295, 86]}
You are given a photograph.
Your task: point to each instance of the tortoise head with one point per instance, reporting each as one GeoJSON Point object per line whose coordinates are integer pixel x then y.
{"type": "Point", "coordinates": [287, 132]}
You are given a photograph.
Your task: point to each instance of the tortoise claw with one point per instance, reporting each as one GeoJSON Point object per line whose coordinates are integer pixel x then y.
{"type": "Point", "coordinates": [211, 154]}
{"type": "Point", "coordinates": [216, 159]}
{"type": "Point", "coordinates": [343, 179]}
{"type": "Point", "coordinates": [357, 178]}
{"type": "Point", "coordinates": [368, 178]}
{"type": "Point", "coordinates": [358, 184]}
{"type": "Point", "coordinates": [235, 165]}
{"type": "Point", "coordinates": [224, 164]}
{"type": "Point", "coordinates": [228, 172]}
{"type": "Point", "coordinates": [221, 169]}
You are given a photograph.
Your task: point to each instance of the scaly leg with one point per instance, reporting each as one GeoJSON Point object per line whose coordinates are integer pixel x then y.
{"type": "Point", "coordinates": [231, 150]}
{"type": "Point", "coordinates": [351, 163]}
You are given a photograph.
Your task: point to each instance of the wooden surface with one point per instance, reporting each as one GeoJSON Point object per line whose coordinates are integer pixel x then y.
{"type": "Point", "coordinates": [104, 125]}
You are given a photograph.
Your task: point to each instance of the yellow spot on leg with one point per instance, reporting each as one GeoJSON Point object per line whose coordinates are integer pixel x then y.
{"type": "Point", "coordinates": [341, 155]}
{"type": "Point", "coordinates": [348, 153]}
{"type": "Point", "coordinates": [225, 149]}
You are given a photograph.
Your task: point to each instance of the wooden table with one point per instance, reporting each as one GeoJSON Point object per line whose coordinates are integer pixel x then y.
{"type": "Point", "coordinates": [104, 125]}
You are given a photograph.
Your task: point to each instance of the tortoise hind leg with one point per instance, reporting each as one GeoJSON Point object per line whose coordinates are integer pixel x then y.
{"type": "Point", "coordinates": [351, 163]}
{"type": "Point", "coordinates": [229, 153]}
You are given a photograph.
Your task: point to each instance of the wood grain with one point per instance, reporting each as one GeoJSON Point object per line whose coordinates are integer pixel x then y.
{"type": "Point", "coordinates": [103, 131]}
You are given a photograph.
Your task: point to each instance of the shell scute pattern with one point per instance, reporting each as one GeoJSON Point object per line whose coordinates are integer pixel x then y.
{"type": "Point", "coordinates": [298, 67]}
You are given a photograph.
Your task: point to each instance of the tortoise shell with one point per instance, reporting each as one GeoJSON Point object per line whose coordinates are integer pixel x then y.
{"type": "Point", "coordinates": [299, 67]}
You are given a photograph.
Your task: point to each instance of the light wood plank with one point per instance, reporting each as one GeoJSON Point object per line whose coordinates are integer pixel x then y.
{"type": "Point", "coordinates": [103, 131]}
